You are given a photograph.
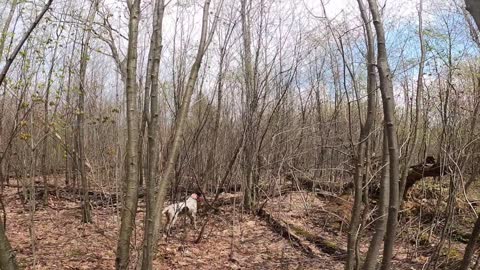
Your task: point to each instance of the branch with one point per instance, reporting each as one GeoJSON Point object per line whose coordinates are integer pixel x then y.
{"type": "Point", "coordinates": [19, 46]}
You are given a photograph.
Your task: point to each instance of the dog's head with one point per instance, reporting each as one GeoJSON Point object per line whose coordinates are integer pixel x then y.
{"type": "Point", "coordinates": [197, 196]}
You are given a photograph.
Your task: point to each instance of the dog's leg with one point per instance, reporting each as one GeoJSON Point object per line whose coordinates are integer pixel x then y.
{"type": "Point", "coordinates": [174, 219]}
{"type": "Point", "coordinates": [166, 227]}
{"type": "Point", "coordinates": [190, 216]}
{"type": "Point", "coordinates": [193, 219]}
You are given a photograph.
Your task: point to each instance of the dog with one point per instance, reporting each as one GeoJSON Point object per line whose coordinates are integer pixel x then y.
{"type": "Point", "coordinates": [187, 207]}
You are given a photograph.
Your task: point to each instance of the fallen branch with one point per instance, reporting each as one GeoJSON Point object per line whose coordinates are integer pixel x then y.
{"type": "Point", "coordinates": [299, 236]}
{"type": "Point", "coordinates": [284, 231]}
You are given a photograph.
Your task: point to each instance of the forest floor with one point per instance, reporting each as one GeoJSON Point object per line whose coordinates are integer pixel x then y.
{"type": "Point", "coordinates": [233, 239]}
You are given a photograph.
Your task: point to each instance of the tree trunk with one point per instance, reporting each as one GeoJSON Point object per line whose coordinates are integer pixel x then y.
{"type": "Point", "coordinates": [46, 120]}
{"type": "Point", "coordinates": [362, 150]}
{"type": "Point", "coordinates": [129, 206]}
{"type": "Point", "coordinates": [210, 170]}
{"type": "Point", "coordinates": [251, 104]}
{"type": "Point", "coordinates": [473, 6]}
{"type": "Point", "coordinates": [69, 140]}
{"type": "Point", "coordinates": [153, 145]}
{"type": "Point", "coordinates": [413, 139]}
{"type": "Point", "coordinates": [7, 256]}
{"type": "Point", "coordinates": [178, 131]}
{"type": "Point", "coordinates": [6, 26]}
{"type": "Point", "coordinates": [371, 260]}
{"type": "Point", "coordinates": [86, 210]}
{"type": "Point", "coordinates": [386, 89]}
{"type": "Point", "coordinates": [22, 41]}
{"type": "Point", "coordinates": [471, 246]}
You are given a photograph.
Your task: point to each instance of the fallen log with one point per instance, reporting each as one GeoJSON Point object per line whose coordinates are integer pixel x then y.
{"type": "Point", "coordinates": [98, 199]}
{"type": "Point", "coordinates": [429, 168]}
{"type": "Point", "coordinates": [299, 236]}
{"type": "Point", "coordinates": [321, 243]}
{"type": "Point", "coordinates": [285, 232]}
{"type": "Point", "coordinates": [308, 182]}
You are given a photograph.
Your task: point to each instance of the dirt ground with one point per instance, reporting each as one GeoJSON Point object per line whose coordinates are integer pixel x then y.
{"type": "Point", "coordinates": [232, 239]}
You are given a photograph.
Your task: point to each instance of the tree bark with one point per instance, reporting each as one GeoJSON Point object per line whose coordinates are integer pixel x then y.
{"type": "Point", "coordinates": [418, 98]}
{"type": "Point", "coordinates": [371, 260]}
{"type": "Point", "coordinates": [86, 210]}
{"type": "Point", "coordinates": [22, 41]}
{"type": "Point", "coordinates": [362, 150]}
{"type": "Point", "coordinates": [386, 89]}
{"type": "Point", "coordinates": [153, 145]}
{"type": "Point", "coordinates": [6, 26]}
{"type": "Point", "coordinates": [251, 104]}
{"type": "Point", "coordinates": [471, 246]}
{"type": "Point", "coordinates": [178, 131]}
{"type": "Point", "coordinates": [129, 207]}
{"type": "Point", "coordinates": [210, 170]}
{"type": "Point", "coordinates": [3, 39]}
{"type": "Point", "coordinates": [473, 6]}
{"type": "Point", "coordinates": [46, 120]}
{"type": "Point", "coordinates": [7, 258]}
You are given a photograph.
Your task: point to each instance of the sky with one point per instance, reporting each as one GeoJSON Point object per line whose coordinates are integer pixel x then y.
{"type": "Point", "coordinates": [400, 14]}
{"type": "Point", "coordinates": [403, 8]}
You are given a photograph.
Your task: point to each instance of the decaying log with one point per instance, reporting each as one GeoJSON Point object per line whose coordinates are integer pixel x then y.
{"type": "Point", "coordinates": [298, 237]}
{"type": "Point", "coordinates": [97, 199]}
{"type": "Point", "coordinates": [285, 232]}
{"type": "Point", "coordinates": [308, 182]}
{"type": "Point", "coordinates": [429, 168]}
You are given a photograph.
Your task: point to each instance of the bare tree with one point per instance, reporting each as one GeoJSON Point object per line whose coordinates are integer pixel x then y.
{"type": "Point", "coordinates": [251, 104]}
{"type": "Point", "coordinates": [362, 149]}
{"type": "Point", "coordinates": [24, 38]}
{"type": "Point", "coordinates": [386, 89]}
{"type": "Point", "coordinates": [3, 39]}
{"type": "Point", "coordinates": [210, 170]}
{"type": "Point", "coordinates": [86, 213]}
{"type": "Point", "coordinates": [47, 104]}
{"type": "Point", "coordinates": [167, 174]}
{"type": "Point", "coordinates": [412, 140]}
{"type": "Point", "coordinates": [129, 207]}
{"type": "Point", "coordinates": [153, 140]}
{"type": "Point", "coordinates": [371, 260]}
{"type": "Point", "coordinates": [285, 100]}
{"type": "Point", "coordinates": [6, 26]}
{"type": "Point", "coordinates": [473, 7]}
{"type": "Point", "coordinates": [7, 257]}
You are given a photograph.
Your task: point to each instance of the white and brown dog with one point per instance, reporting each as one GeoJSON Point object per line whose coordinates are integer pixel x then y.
{"type": "Point", "coordinates": [187, 207]}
